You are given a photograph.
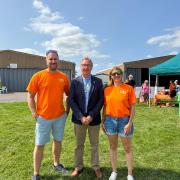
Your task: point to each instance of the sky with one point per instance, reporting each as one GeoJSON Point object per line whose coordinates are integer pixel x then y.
{"type": "Point", "coordinates": [109, 32]}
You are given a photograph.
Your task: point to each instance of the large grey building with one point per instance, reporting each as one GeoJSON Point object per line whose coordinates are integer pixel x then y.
{"type": "Point", "coordinates": [140, 70]}
{"type": "Point", "coordinates": [16, 69]}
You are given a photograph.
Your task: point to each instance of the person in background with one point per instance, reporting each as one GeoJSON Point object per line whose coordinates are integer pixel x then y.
{"type": "Point", "coordinates": [86, 100]}
{"type": "Point", "coordinates": [145, 91]}
{"type": "Point", "coordinates": [176, 86]}
{"type": "Point", "coordinates": [172, 89]}
{"type": "Point", "coordinates": [49, 85]}
{"type": "Point", "coordinates": [130, 81]}
{"type": "Point", "coordinates": [118, 114]}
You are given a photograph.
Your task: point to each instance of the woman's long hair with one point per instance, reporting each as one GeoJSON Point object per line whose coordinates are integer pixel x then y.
{"type": "Point", "coordinates": [115, 68]}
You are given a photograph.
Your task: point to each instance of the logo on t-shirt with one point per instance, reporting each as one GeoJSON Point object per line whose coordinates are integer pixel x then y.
{"type": "Point", "coordinates": [123, 91]}
{"type": "Point", "coordinates": [60, 80]}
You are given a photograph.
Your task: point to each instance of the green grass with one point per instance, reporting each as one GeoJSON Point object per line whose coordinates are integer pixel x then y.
{"type": "Point", "coordinates": [156, 146]}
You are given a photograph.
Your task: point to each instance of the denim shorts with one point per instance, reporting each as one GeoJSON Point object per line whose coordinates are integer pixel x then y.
{"type": "Point", "coordinates": [44, 128]}
{"type": "Point", "coordinates": [115, 126]}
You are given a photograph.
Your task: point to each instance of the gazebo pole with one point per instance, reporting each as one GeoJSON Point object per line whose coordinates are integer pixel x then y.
{"type": "Point", "coordinates": [149, 90]}
{"type": "Point", "coordinates": [156, 85]}
{"type": "Point", "coordinates": [179, 102]}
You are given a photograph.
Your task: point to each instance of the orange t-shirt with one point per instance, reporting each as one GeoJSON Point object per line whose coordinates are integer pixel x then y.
{"type": "Point", "coordinates": [50, 88]}
{"type": "Point", "coordinates": [118, 100]}
{"type": "Point", "coordinates": [172, 87]}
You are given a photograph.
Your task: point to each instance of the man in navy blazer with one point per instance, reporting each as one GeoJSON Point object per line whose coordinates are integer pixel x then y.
{"type": "Point", "coordinates": [86, 100]}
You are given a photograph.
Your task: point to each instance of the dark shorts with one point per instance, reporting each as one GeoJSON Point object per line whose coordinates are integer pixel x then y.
{"type": "Point", "coordinates": [146, 96]}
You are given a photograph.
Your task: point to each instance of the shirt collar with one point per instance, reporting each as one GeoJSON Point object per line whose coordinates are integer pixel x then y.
{"type": "Point", "coordinates": [87, 79]}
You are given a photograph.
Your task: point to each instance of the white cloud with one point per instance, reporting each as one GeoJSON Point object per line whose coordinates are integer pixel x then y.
{"type": "Point", "coordinates": [149, 56]}
{"type": "Point", "coordinates": [81, 18]}
{"type": "Point", "coordinates": [68, 39]}
{"type": "Point", "coordinates": [45, 13]}
{"type": "Point", "coordinates": [170, 40]}
{"type": "Point", "coordinates": [54, 29]}
{"type": "Point", "coordinates": [173, 53]}
{"type": "Point", "coordinates": [41, 7]}
{"type": "Point", "coordinates": [29, 51]}
{"type": "Point", "coordinates": [96, 54]}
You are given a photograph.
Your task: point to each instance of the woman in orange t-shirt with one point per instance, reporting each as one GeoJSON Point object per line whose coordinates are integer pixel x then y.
{"type": "Point", "coordinates": [118, 113]}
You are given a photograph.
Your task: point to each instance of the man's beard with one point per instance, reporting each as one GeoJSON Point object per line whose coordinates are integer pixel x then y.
{"type": "Point", "coordinates": [53, 67]}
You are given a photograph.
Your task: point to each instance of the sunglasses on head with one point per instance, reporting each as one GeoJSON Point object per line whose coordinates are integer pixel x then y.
{"type": "Point", "coordinates": [116, 74]}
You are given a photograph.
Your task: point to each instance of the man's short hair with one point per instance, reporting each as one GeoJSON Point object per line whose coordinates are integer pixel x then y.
{"type": "Point", "coordinates": [51, 51]}
{"type": "Point", "coordinates": [88, 59]}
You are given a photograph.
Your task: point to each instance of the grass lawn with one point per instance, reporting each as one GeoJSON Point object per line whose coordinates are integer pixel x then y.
{"type": "Point", "coordinates": [156, 146]}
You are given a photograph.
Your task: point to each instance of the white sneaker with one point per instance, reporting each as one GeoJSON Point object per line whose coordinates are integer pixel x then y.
{"type": "Point", "coordinates": [129, 177]}
{"type": "Point", "coordinates": [113, 176]}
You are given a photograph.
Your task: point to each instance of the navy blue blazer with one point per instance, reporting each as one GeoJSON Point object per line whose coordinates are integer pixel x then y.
{"type": "Point", "coordinates": [77, 100]}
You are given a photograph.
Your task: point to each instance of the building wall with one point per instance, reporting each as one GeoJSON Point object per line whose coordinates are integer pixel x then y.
{"type": "Point", "coordinates": [139, 68]}
{"type": "Point", "coordinates": [24, 60]}
{"type": "Point", "coordinates": [17, 78]}
{"type": "Point", "coordinates": [147, 63]}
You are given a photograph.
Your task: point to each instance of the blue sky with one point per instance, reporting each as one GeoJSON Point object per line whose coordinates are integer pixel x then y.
{"type": "Point", "coordinates": [110, 32]}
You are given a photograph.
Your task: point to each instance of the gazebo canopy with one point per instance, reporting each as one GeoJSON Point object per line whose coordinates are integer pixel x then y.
{"type": "Point", "coordinates": [170, 67]}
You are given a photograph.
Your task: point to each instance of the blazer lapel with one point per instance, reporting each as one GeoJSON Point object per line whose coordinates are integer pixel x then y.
{"type": "Point", "coordinates": [81, 88]}
{"type": "Point", "coordinates": [92, 86]}
{"type": "Point", "coordinates": [81, 92]}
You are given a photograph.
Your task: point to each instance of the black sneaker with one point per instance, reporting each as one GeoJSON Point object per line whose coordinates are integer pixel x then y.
{"type": "Point", "coordinates": [36, 177]}
{"type": "Point", "coordinates": [61, 168]}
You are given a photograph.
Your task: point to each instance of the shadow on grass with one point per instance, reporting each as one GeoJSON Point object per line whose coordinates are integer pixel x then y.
{"type": "Point", "coordinates": [139, 174]}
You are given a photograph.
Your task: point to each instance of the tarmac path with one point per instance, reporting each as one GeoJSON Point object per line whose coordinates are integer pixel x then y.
{"type": "Point", "coordinates": [13, 97]}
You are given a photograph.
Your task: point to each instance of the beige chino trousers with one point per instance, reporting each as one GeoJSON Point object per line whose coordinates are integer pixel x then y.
{"type": "Point", "coordinates": [80, 134]}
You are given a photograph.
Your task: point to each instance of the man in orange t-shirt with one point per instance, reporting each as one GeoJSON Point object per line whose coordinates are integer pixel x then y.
{"type": "Point", "coordinates": [49, 85]}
